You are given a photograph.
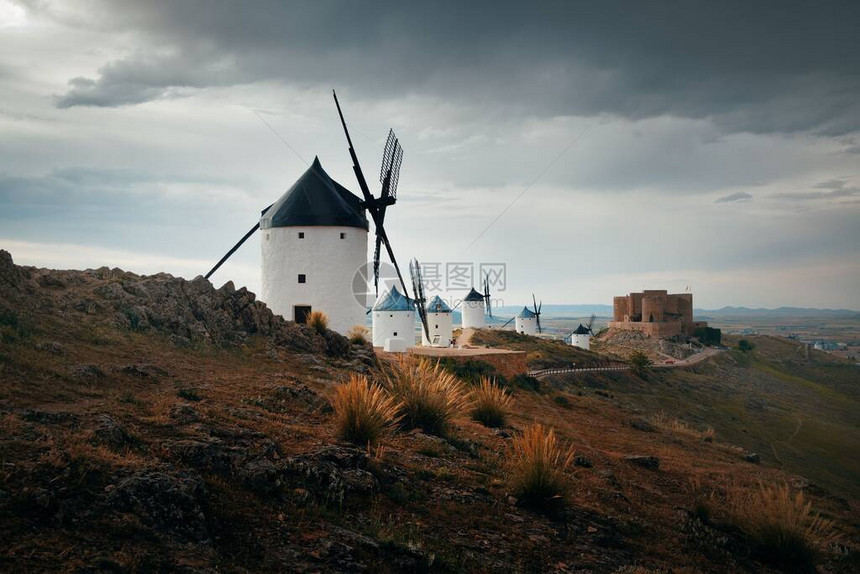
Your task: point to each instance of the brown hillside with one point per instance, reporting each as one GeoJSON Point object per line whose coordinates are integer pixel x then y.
{"type": "Point", "coordinates": [158, 424]}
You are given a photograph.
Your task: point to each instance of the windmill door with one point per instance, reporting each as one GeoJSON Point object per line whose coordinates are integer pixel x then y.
{"type": "Point", "coordinates": [301, 312]}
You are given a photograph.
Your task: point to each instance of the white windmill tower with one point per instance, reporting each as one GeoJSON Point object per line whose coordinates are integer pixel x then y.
{"type": "Point", "coordinates": [440, 324]}
{"type": "Point", "coordinates": [393, 321]}
{"type": "Point", "coordinates": [315, 241]}
{"type": "Point", "coordinates": [581, 337]}
{"type": "Point", "coordinates": [473, 310]}
{"type": "Point", "coordinates": [528, 320]}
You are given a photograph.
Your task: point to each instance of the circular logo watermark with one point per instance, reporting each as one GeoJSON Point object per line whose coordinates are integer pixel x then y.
{"type": "Point", "coordinates": [362, 282]}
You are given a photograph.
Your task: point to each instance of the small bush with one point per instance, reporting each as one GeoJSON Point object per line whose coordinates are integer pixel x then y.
{"type": "Point", "coordinates": [526, 382]}
{"type": "Point", "coordinates": [189, 395]}
{"type": "Point", "coordinates": [745, 346]}
{"type": "Point", "coordinates": [471, 370]}
{"type": "Point", "coordinates": [428, 397]}
{"type": "Point", "coordinates": [562, 401]}
{"type": "Point", "coordinates": [363, 412]}
{"type": "Point", "coordinates": [357, 334]}
{"type": "Point", "coordinates": [491, 404]}
{"type": "Point", "coordinates": [640, 364]}
{"type": "Point", "coordinates": [781, 525]}
{"type": "Point", "coordinates": [318, 321]}
{"type": "Point", "coordinates": [538, 466]}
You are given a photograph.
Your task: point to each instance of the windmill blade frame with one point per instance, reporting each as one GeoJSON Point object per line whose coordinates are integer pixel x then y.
{"type": "Point", "coordinates": [420, 298]}
{"type": "Point", "coordinates": [488, 302]}
{"type": "Point", "coordinates": [237, 246]}
{"type": "Point", "coordinates": [376, 206]}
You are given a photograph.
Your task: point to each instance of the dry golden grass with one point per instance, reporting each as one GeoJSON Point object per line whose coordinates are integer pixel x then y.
{"type": "Point", "coordinates": [538, 465]}
{"type": "Point", "coordinates": [428, 396]}
{"type": "Point", "coordinates": [664, 421]}
{"type": "Point", "coordinates": [491, 404]}
{"type": "Point", "coordinates": [780, 524]}
{"type": "Point", "coordinates": [357, 334]}
{"type": "Point", "coordinates": [363, 412]}
{"type": "Point", "coordinates": [318, 321]}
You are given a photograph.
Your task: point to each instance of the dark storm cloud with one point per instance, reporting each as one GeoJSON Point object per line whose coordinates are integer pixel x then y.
{"type": "Point", "coordinates": [765, 67]}
{"type": "Point", "coordinates": [735, 197]}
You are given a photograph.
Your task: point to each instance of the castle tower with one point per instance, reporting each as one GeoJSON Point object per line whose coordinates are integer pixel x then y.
{"type": "Point", "coordinates": [473, 310]}
{"type": "Point", "coordinates": [394, 321]}
{"type": "Point", "coordinates": [440, 323]}
{"type": "Point", "coordinates": [526, 322]}
{"type": "Point", "coordinates": [314, 240]}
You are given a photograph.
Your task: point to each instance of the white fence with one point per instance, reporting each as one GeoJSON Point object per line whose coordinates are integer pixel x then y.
{"type": "Point", "coordinates": [545, 372]}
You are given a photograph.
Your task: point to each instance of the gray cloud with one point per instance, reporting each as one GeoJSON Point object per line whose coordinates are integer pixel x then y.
{"type": "Point", "coordinates": [819, 195]}
{"type": "Point", "coordinates": [735, 197]}
{"type": "Point", "coordinates": [730, 64]}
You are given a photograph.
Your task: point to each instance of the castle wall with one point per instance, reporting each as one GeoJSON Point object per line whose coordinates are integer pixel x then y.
{"type": "Point", "coordinates": [655, 313]}
{"type": "Point", "coordinates": [621, 308]}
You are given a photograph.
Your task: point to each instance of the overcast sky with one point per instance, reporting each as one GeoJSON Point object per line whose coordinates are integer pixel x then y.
{"type": "Point", "coordinates": [714, 145]}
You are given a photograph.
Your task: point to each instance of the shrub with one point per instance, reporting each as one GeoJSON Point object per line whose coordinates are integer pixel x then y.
{"type": "Point", "coordinates": [538, 466]}
{"type": "Point", "coordinates": [745, 346]}
{"type": "Point", "coordinates": [428, 397]}
{"type": "Point", "coordinates": [189, 395]}
{"type": "Point", "coordinates": [491, 404]}
{"type": "Point", "coordinates": [318, 321]}
{"type": "Point", "coordinates": [640, 364]}
{"type": "Point", "coordinates": [471, 370]}
{"type": "Point", "coordinates": [363, 412]}
{"type": "Point", "coordinates": [781, 525]}
{"type": "Point", "coordinates": [357, 334]}
{"type": "Point", "coordinates": [526, 382]}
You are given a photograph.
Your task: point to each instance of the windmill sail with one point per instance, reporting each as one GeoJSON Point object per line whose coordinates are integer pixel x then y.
{"type": "Point", "coordinates": [376, 206]}
{"type": "Point", "coordinates": [418, 292]}
{"type": "Point", "coordinates": [237, 246]}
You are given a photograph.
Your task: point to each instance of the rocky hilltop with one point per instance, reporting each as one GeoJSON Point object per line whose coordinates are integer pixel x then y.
{"type": "Point", "coordinates": [150, 423]}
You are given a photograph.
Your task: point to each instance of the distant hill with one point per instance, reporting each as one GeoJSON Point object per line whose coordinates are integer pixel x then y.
{"type": "Point", "coordinates": [778, 312]}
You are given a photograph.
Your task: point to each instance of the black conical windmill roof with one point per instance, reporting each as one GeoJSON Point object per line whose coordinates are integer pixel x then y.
{"type": "Point", "coordinates": [315, 199]}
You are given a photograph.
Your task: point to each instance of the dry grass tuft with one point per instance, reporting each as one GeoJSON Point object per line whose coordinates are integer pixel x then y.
{"type": "Point", "coordinates": [538, 466]}
{"type": "Point", "coordinates": [780, 524]}
{"type": "Point", "coordinates": [665, 422]}
{"type": "Point", "coordinates": [357, 334]}
{"type": "Point", "coordinates": [318, 321]}
{"type": "Point", "coordinates": [363, 412]}
{"type": "Point", "coordinates": [491, 404]}
{"type": "Point", "coordinates": [428, 396]}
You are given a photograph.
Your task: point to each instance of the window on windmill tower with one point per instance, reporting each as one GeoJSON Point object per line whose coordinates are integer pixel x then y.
{"type": "Point", "coordinates": [395, 333]}
{"type": "Point", "coordinates": [343, 235]}
{"type": "Point", "coordinates": [301, 234]}
{"type": "Point", "coordinates": [302, 278]}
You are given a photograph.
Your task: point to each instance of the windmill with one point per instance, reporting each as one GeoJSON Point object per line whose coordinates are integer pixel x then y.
{"type": "Point", "coordinates": [418, 291]}
{"type": "Point", "coordinates": [581, 336]}
{"type": "Point", "coordinates": [299, 276]}
{"type": "Point", "coordinates": [389, 176]}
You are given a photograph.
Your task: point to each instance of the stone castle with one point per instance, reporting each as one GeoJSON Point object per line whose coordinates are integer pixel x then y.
{"type": "Point", "coordinates": [656, 313]}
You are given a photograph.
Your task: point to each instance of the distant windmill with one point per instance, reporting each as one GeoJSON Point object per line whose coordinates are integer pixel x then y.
{"type": "Point", "coordinates": [528, 320]}
{"type": "Point", "coordinates": [581, 336]}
